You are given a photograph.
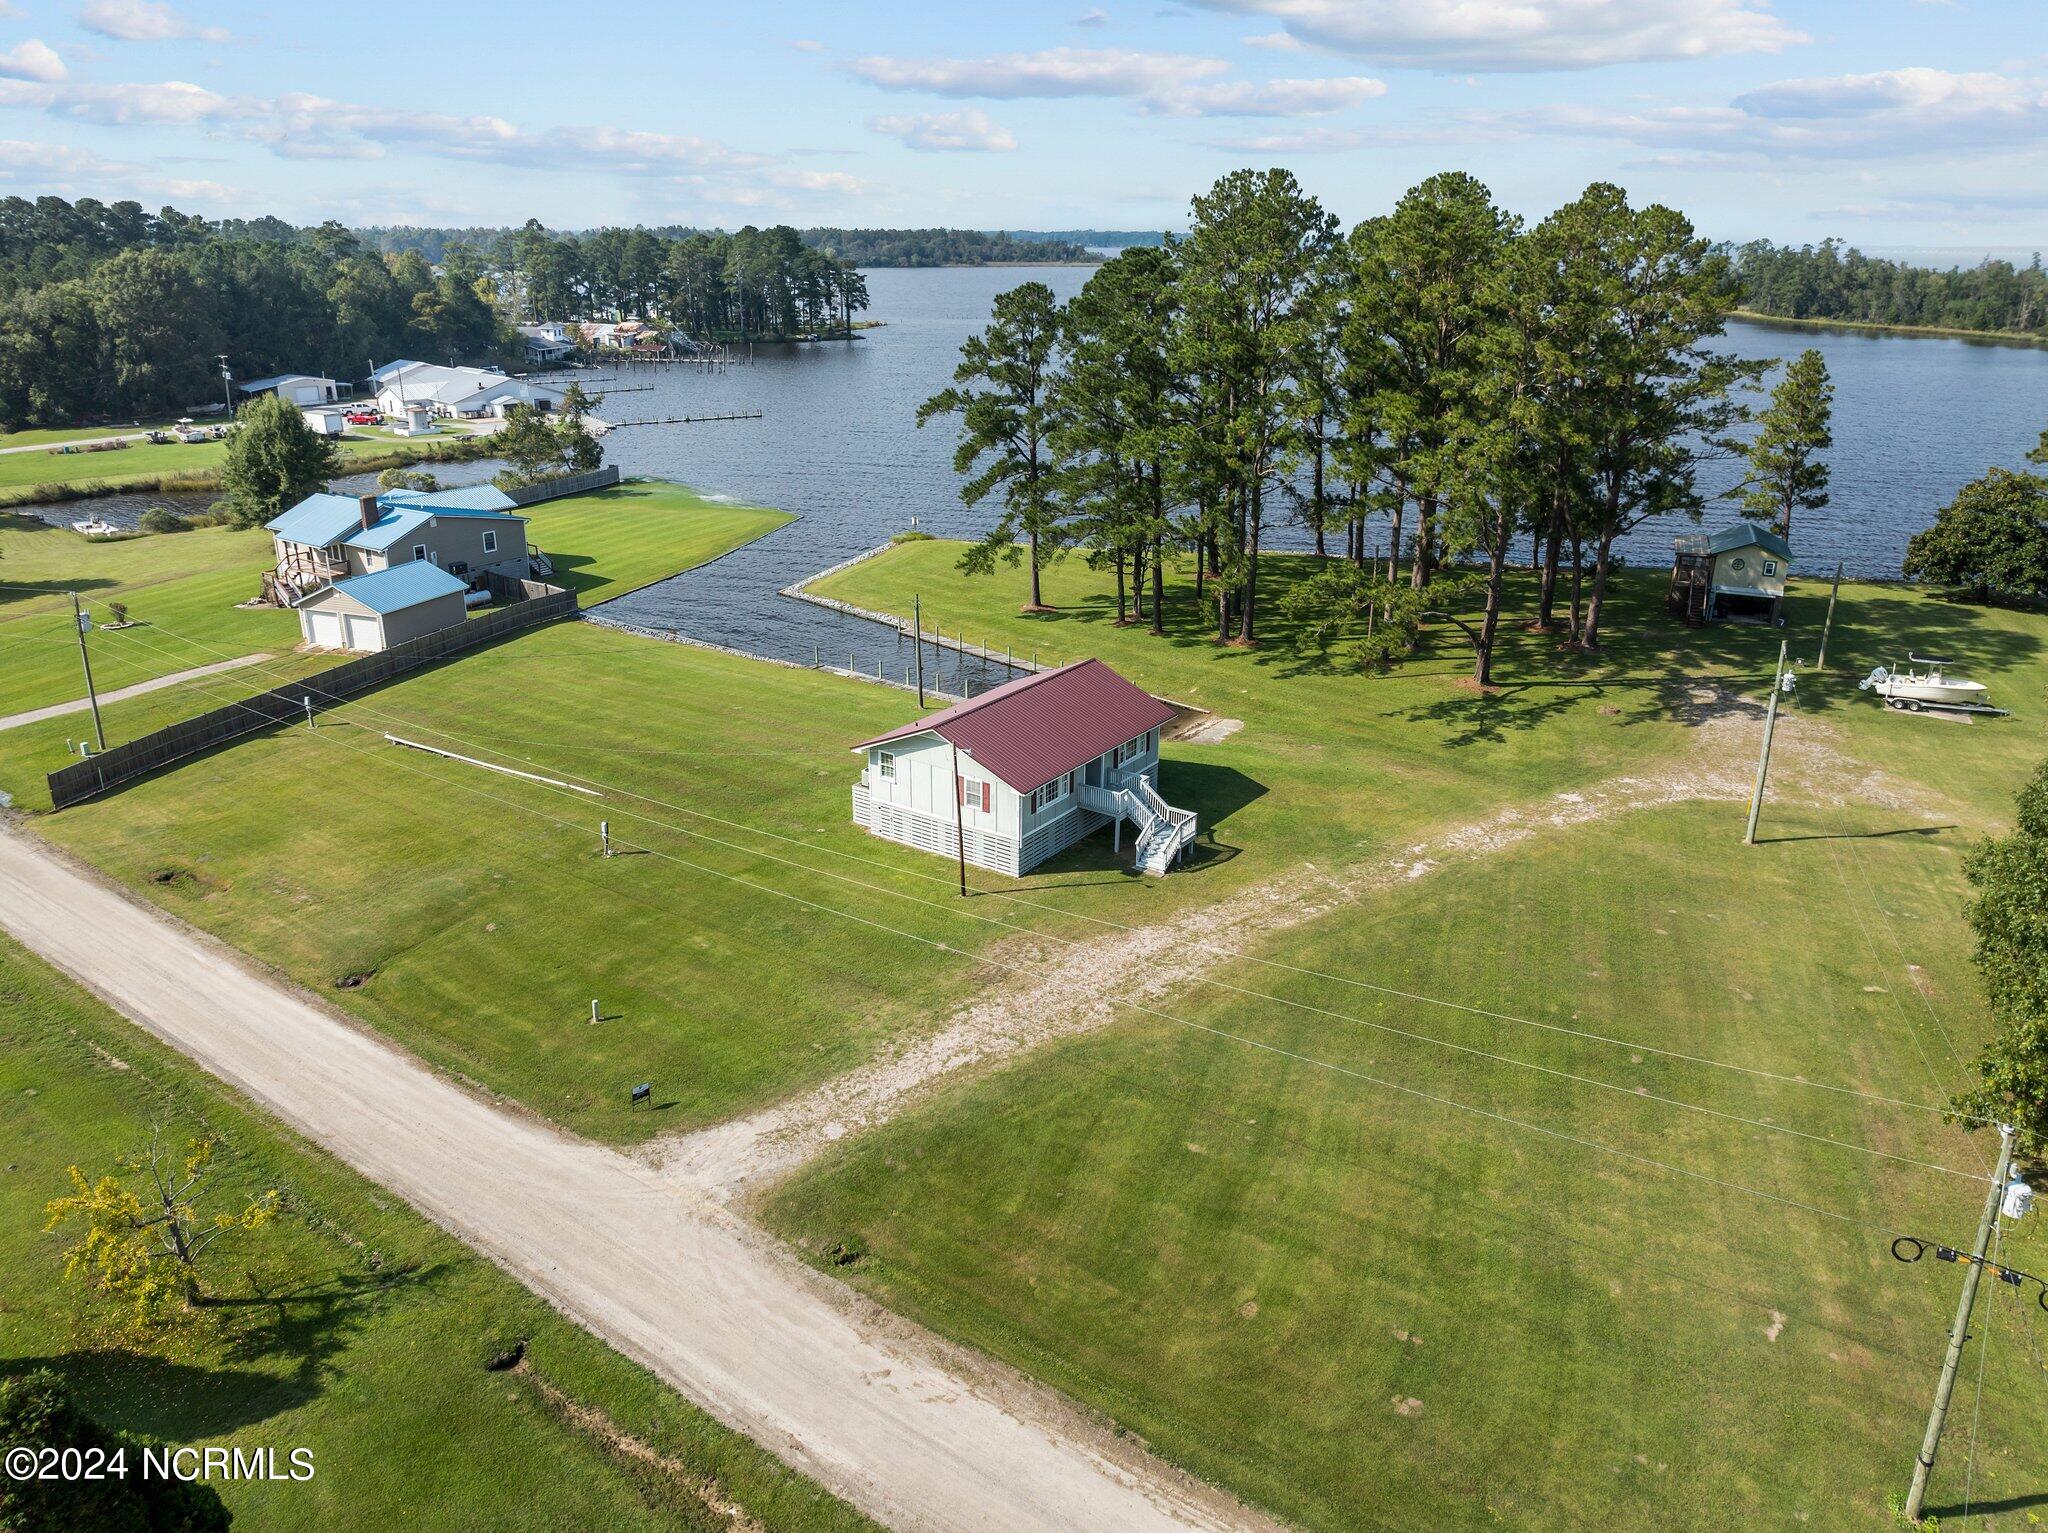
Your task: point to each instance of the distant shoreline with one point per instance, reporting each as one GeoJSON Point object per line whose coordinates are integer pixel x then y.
{"type": "Point", "coordinates": [1870, 327]}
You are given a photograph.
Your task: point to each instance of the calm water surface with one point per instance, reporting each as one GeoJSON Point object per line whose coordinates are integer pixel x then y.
{"type": "Point", "coordinates": [1915, 419]}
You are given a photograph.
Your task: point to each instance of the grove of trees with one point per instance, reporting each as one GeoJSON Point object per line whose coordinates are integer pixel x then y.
{"type": "Point", "coordinates": [109, 311]}
{"type": "Point", "coordinates": [2010, 918]}
{"type": "Point", "coordinates": [752, 285]}
{"type": "Point", "coordinates": [1834, 281]}
{"type": "Point", "coordinates": [1466, 378]}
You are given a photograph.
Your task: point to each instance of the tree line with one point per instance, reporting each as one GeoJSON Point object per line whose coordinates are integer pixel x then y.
{"type": "Point", "coordinates": [756, 284]}
{"type": "Point", "coordinates": [856, 247]}
{"type": "Point", "coordinates": [1443, 371]}
{"type": "Point", "coordinates": [109, 311]}
{"type": "Point", "coordinates": [1834, 281]}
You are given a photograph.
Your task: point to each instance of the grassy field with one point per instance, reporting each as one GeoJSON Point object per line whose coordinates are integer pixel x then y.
{"type": "Point", "coordinates": [49, 436]}
{"type": "Point", "coordinates": [181, 590]}
{"type": "Point", "coordinates": [609, 542]}
{"type": "Point", "coordinates": [1356, 1306]}
{"type": "Point", "coordinates": [486, 919]}
{"type": "Point", "coordinates": [1365, 1308]}
{"type": "Point", "coordinates": [24, 476]}
{"type": "Point", "coordinates": [350, 1326]}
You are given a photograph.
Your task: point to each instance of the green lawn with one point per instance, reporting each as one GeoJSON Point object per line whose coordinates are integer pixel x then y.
{"type": "Point", "coordinates": [1256, 1261]}
{"type": "Point", "coordinates": [480, 907]}
{"type": "Point", "coordinates": [350, 1326]}
{"type": "Point", "coordinates": [1361, 1308]}
{"type": "Point", "coordinates": [141, 465]}
{"type": "Point", "coordinates": [609, 542]}
{"type": "Point", "coordinates": [43, 436]}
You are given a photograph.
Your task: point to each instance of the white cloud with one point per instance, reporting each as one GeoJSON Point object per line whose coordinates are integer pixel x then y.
{"type": "Point", "coordinates": [68, 172]}
{"type": "Point", "coordinates": [1164, 84]}
{"type": "Point", "coordinates": [1526, 34]}
{"type": "Point", "coordinates": [32, 60]}
{"type": "Point", "coordinates": [1898, 114]}
{"type": "Point", "coordinates": [144, 21]}
{"type": "Point", "coordinates": [1895, 92]}
{"type": "Point", "coordinates": [302, 126]}
{"type": "Point", "coordinates": [807, 45]}
{"type": "Point", "coordinates": [1276, 42]}
{"type": "Point", "coordinates": [969, 130]}
{"type": "Point", "coordinates": [1268, 98]}
{"type": "Point", "coordinates": [1092, 19]}
{"type": "Point", "coordinates": [1054, 72]}
{"type": "Point", "coordinates": [1295, 141]}
{"type": "Point", "coordinates": [9, 11]}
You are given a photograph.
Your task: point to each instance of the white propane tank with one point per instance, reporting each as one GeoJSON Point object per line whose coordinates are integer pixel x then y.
{"type": "Point", "coordinates": [2019, 1197]}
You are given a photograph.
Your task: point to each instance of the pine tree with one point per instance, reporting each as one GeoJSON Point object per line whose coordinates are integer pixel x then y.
{"type": "Point", "coordinates": [1001, 392]}
{"type": "Point", "coordinates": [1786, 470]}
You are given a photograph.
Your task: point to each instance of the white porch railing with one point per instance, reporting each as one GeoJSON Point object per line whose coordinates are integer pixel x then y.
{"type": "Point", "coordinates": [1164, 832]}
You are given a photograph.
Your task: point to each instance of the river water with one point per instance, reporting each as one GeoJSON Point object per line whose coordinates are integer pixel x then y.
{"type": "Point", "coordinates": [1915, 418]}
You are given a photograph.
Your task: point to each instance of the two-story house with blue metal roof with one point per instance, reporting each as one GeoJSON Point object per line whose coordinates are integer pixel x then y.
{"type": "Point", "coordinates": [469, 533]}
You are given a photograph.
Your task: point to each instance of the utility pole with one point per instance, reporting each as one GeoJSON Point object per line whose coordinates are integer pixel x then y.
{"type": "Point", "coordinates": [1959, 1333]}
{"type": "Point", "coordinates": [227, 386]}
{"type": "Point", "coordinates": [960, 819]}
{"type": "Point", "coordinates": [1829, 626]}
{"type": "Point", "coordinates": [1763, 761]}
{"type": "Point", "coordinates": [917, 623]}
{"type": "Point", "coordinates": [82, 622]}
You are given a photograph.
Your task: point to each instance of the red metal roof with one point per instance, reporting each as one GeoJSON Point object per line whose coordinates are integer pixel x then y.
{"type": "Point", "coordinates": [1029, 731]}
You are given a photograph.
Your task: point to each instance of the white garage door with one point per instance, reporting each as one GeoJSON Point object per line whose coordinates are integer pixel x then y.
{"type": "Point", "coordinates": [362, 632]}
{"type": "Point", "coordinates": [323, 629]}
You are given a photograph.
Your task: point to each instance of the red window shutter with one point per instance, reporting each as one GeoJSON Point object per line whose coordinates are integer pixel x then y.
{"type": "Point", "coordinates": [960, 789]}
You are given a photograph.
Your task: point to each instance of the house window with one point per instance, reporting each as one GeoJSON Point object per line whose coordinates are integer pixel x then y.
{"type": "Point", "coordinates": [973, 794]}
{"type": "Point", "coordinates": [419, 552]}
{"type": "Point", "coordinates": [885, 765]}
{"type": "Point", "coordinates": [1128, 749]}
{"type": "Point", "coordinates": [1770, 566]}
{"type": "Point", "coordinates": [490, 541]}
{"type": "Point", "coordinates": [1050, 794]}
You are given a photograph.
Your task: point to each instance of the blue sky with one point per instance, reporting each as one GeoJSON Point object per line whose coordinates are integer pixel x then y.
{"type": "Point", "coordinates": [1889, 122]}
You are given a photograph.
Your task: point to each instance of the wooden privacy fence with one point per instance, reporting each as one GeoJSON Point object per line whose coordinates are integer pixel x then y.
{"type": "Point", "coordinates": [567, 484]}
{"type": "Point", "coordinates": [136, 758]}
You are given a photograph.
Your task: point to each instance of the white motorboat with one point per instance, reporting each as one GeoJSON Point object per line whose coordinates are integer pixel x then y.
{"type": "Point", "coordinates": [1930, 686]}
{"type": "Point", "coordinates": [93, 527]}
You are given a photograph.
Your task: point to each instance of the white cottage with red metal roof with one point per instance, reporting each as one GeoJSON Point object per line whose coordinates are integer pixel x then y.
{"type": "Point", "coordinates": [1024, 771]}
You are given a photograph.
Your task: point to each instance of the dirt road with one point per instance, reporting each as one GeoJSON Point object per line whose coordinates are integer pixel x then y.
{"type": "Point", "coordinates": [915, 1433]}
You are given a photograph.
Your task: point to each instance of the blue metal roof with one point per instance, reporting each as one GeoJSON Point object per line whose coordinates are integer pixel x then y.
{"type": "Point", "coordinates": [1747, 535]}
{"type": "Point", "coordinates": [401, 586]}
{"type": "Point", "coordinates": [318, 520]}
{"type": "Point", "coordinates": [390, 528]}
{"type": "Point", "coordinates": [474, 497]}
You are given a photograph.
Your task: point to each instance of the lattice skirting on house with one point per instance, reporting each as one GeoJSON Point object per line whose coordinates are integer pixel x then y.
{"type": "Point", "coordinates": [999, 854]}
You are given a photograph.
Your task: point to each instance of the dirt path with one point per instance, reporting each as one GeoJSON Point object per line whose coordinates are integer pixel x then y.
{"type": "Point", "coordinates": [156, 684]}
{"type": "Point", "coordinates": [1068, 988]}
{"type": "Point", "coordinates": [912, 1431]}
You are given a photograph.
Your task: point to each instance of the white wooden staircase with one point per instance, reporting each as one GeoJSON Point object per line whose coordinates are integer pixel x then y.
{"type": "Point", "coordinates": [1164, 832]}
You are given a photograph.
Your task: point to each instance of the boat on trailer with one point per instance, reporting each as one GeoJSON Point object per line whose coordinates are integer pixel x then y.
{"type": "Point", "coordinates": [1930, 686]}
{"type": "Point", "coordinates": [93, 527]}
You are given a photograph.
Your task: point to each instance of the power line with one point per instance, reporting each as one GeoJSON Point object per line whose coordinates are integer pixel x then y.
{"type": "Point", "coordinates": [1633, 1092]}
{"type": "Point", "coordinates": [1388, 990]}
{"type": "Point", "coordinates": [1141, 1007]}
